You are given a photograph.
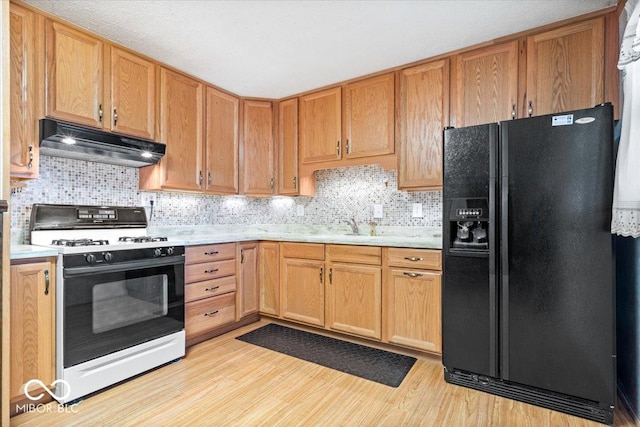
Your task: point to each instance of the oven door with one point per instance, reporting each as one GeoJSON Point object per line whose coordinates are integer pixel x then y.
{"type": "Point", "coordinates": [108, 308]}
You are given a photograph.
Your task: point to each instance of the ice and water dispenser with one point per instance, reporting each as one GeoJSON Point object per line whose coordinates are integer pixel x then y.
{"type": "Point", "coordinates": [468, 225]}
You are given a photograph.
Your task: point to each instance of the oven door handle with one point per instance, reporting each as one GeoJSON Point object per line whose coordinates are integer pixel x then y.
{"type": "Point", "coordinates": [123, 266]}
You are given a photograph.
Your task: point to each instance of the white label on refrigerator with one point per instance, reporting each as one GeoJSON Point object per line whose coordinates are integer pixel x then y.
{"type": "Point", "coordinates": [563, 120]}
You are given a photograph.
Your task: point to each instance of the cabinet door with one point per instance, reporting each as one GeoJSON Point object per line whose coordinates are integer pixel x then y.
{"type": "Point", "coordinates": [354, 299]}
{"type": "Point", "coordinates": [424, 113]}
{"type": "Point", "coordinates": [258, 149]}
{"type": "Point", "coordinates": [302, 292]}
{"type": "Point", "coordinates": [269, 277]}
{"type": "Point", "coordinates": [74, 75]}
{"type": "Point", "coordinates": [133, 94]}
{"type": "Point", "coordinates": [320, 126]}
{"type": "Point", "coordinates": [369, 117]}
{"type": "Point", "coordinates": [288, 147]}
{"type": "Point", "coordinates": [181, 130]}
{"type": "Point", "coordinates": [32, 325]}
{"type": "Point", "coordinates": [248, 294]}
{"type": "Point", "coordinates": [487, 85]}
{"type": "Point", "coordinates": [413, 309]}
{"type": "Point", "coordinates": [24, 95]}
{"type": "Point", "coordinates": [221, 142]}
{"type": "Point", "coordinates": [565, 68]}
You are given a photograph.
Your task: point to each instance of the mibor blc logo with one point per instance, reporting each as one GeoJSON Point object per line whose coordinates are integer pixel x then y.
{"type": "Point", "coordinates": [66, 387]}
{"type": "Point", "coordinates": [63, 386]}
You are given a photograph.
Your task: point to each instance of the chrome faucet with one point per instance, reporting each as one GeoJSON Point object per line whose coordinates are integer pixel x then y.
{"type": "Point", "coordinates": [354, 225]}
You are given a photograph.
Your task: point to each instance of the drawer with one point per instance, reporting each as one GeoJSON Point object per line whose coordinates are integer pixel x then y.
{"type": "Point", "coordinates": [302, 250]}
{"type": "Point", "coordinates": [207, 314]}
{"type": "Point", "coordinates": [206, 253]}
{"type": "Point", "coordinates": [209, 270]}
{"type": "Point", "coordinates": [428, 259]}
{"type": "Point", "coordinates": [355, 254]}
{"type": "Point", "coordinates": [209, 288]}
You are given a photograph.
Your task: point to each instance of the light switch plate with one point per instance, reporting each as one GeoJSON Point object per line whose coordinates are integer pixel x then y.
{"type": "Point", "coordinates": [377, 211]}
{"type": "Point", "coordinates": [300, 210]}
{"type": "Point", "coordinates": [416, 212]}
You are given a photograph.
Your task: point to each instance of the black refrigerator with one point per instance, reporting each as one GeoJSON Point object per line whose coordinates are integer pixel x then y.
{"type": "Point", "coordinates": [528, 300]}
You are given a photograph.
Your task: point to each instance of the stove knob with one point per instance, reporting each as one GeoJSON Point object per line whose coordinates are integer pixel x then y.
{"type": "Point", "coordinates": [108, 257]}
{"type": "Point", "coordinates": [170, 251]}
{"type": "Point", "coordinates": [90, 258]}
{"type": "Point", "coordinates": [157, 252]}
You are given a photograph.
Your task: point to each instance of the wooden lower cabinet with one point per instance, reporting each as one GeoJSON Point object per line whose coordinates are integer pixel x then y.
{"type": "Point", "coordinates": [303, 291]}
{"type": "Point", "coordinates": [209, 313]}
{"type": "Point", "coordinates": [248, 293]}
{"type": "Point", "coordinates": [354, 299]}
{"type": "Point", "coordinates": [412, 299]}
{"type": "Point", "coordinates": [269, 277]}
{"type": "Point", "coordinates": [210, 289]}
{"type": "Point", "coordinates": [32, 331]}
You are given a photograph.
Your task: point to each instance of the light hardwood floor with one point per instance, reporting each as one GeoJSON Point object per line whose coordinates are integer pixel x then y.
{"type": "Point", "coordinates": [226, 382]}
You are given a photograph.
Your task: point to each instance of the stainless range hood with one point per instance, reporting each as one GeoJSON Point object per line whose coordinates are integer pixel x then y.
{"type": "Point", "coordinates": [62, 139]}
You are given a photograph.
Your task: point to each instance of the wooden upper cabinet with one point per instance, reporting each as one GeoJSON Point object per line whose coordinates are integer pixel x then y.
{"type": "Point", "coordinates": [258, 148]}
{"type": "Point", "coordinates": [369, 117]}
{"type": "Point", "coordinates": [424, 113]}
{"type": "Point", "coordinates": [288, 147]}
{"type": "Point", "coordinates": [565, 68]}
{"type": "Point", "coordinates": [133, 94]}
{"type": "Point", "coordinates": [26, 83]}
{"type": "Point", "coordinates": [74, 75]}
{"type": "Point", "coordinates": [221, 142]}
{"type": "Point", "coordinates": [181, 129]}
{"type": "Point", "coordinates": [320, 126]}
{"type": "Point", "coordinates": [487, 85]}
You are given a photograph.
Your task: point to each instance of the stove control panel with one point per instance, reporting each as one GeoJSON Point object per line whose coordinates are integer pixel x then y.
{"type": "Point", "coordinates": [98, 258]}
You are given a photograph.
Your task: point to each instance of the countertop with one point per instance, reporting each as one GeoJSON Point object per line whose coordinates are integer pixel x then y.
{"type": "Point", "coordinates": [30, 251]}
{"type": "Point", "coordinates": [396, 236]}
{"type": "Point", "coordinates": [408, 237]}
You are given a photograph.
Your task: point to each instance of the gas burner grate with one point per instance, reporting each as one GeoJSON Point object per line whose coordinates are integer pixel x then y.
{"type": "Point", "coordinates": [142, 239]}
{"type": "Point", "coordinates": [79, 242]}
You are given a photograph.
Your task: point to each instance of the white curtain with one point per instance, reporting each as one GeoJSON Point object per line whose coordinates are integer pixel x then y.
{"type": "Point", "coordinates": [626, 194]}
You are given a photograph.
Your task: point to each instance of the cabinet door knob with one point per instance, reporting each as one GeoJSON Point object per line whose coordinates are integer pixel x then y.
{"type": "Point", "coordinates": [30, 164]}
{"type": "Point", "coordinates": [413, 274]}
{"type": "Point", "coordinates": [47, 281]}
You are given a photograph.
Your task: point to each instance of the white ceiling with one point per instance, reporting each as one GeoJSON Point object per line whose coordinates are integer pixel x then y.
{"type": "Point", "coordinates": [273, 49]}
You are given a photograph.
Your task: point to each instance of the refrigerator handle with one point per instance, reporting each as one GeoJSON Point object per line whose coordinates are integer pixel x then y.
{"type": "Point", "coordinates": [504, 251]}
{"type": "Point", "coordinates": [493, 315]}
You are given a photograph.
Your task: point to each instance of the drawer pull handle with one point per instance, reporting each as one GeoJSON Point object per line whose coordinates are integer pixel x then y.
{"type": "Point", "coordinates": [212, 253]}
{"type": "Point", "coordinates": [215, 288]}
{"type": "Point", "coordinates": [215, 270]}
{"type": "Point", "coordinates": [413, 274]}
{"type": "Point", "coordinates": [211, 313]}
{"type": "Point", "coordinates": [47, 281]}
{"type": "Point", "coordinates": [413, 258]}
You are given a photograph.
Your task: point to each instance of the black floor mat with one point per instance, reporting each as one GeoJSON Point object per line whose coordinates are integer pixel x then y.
{"type": "Point", "coordinates": [369, 363]}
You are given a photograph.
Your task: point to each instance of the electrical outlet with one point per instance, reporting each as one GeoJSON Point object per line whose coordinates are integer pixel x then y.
{"type": "Point", "coordinates": [300, 210]}
{"type": "Point", "coordinates": [377, 211]}
{"type": "Point", "coordinates": [146, 198]}
{"type": "Point", "coordinates": [417, 210]}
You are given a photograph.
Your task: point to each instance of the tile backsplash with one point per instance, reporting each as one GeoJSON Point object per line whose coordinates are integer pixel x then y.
{"type": "Point", "coordinates": [340, 194]}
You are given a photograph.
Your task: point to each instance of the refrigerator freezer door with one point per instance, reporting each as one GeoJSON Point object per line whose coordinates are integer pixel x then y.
{"type": "Point", "coordinates": [469, 323]}
{"type": "Point", "coordinates": [557, 296]}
